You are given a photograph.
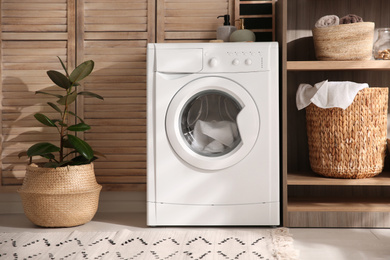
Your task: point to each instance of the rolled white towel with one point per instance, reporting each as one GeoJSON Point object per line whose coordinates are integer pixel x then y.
{"type": "Point", "coordinates": [327, 20]}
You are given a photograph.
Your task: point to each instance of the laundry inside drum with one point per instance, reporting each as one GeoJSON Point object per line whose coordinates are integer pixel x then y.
{"type": "Point", "coordinates": [209, 123]}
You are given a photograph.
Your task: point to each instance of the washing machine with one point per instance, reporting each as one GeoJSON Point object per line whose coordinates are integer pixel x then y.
{"type": "Point", "coordinates": [213, 134]}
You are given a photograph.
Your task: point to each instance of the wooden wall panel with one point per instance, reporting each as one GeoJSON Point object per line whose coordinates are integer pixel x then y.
{"type": "Point", "coordinates": [34, 16]}
{"type": "Point", "coordinates": [115, 35]}
{"type": "Point", "coordinates": [20, 80]}
{"type": "Point", "coordinates": [32, 35]}
{"type": "Point", "coordinates": [190, 20]}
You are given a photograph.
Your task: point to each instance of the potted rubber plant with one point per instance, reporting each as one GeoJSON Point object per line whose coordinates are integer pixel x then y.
{"type": "Point", "coordinates": [62, 191]}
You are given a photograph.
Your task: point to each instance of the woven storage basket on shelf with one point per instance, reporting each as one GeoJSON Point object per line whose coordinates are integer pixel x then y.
{"type": "Point", "coordinates": [349, 143]}
{"type": "Point", "coordinates": [61, 197]}
{"type": "Point", "coordinates": [352, 41]}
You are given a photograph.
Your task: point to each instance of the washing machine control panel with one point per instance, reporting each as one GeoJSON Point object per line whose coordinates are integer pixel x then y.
{"type": "Point", "coordinates": [215, 60]}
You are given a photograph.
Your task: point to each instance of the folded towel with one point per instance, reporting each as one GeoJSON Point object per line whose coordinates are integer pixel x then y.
{"type": "Point", "coordinates": [214, 136]}
{"type": "Point", "coordinates": [327, 94]}
{"type": "Point", "coordinates": [214, 147]}
{"type": "Point", "coordinates": [350, 18]}
{"type": "Point", "coordinates": [327, 20]}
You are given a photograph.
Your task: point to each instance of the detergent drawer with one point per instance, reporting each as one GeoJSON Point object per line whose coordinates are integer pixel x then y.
{"type": "Point", "coordinates": [179, 60]}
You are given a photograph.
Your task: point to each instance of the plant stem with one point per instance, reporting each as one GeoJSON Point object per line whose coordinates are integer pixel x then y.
{"type": "Point", "coordinates": [63, 124]}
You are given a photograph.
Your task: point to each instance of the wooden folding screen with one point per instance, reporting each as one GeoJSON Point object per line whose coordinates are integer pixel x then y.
{"type": "Point", "coordinates": [113, 33]}
{"type": "Point", "coordinates": [32, 34]}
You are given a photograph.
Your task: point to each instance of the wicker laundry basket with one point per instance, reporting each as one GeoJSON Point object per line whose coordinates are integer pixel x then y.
{"type": "Point", "coordinates": [61, 197]}
{"type": "Point", "coordinates": [349, 143]}
{"type": "Point", "coordinates": [352, 41]}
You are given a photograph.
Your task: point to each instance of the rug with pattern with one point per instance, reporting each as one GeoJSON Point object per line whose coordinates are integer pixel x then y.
{"type": "Point", "coordinates": [152, 243]}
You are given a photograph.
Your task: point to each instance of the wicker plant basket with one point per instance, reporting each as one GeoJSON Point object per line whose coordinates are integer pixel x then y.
{"type": "Point", "coordinates": [349, 143]}
{"type": "Point", "coordinates": [352, 41]}
{"type": "Point", "coordinates": [61, 197]}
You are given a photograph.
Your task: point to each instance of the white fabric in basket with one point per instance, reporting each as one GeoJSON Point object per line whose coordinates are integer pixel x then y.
{"type": "Point", "coordinates": [328, 94]}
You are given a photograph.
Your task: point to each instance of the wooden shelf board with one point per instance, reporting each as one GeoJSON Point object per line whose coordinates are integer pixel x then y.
{"type": "Point", "coordinates": [339, 205]}
{"type": "Point", "coordinates": [311, 178]}
{"type": "Point", "coordinates": [256, 16]}
{"type": "Point", "coordinates": [256, 2]}
{"type": "Point", "coordinates": [261, 30]}
{"type": "Point", "coordinates": [338, 65]}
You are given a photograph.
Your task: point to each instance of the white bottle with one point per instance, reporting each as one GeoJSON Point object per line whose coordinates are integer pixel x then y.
{"type": "Point", "coordinates": [223, 32]}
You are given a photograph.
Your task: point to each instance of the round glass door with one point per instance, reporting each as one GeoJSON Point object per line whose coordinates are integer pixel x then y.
{"type": "Point", "coordinates": [209, 123]}
{"type": "Point", "coordinates": [212, 123]}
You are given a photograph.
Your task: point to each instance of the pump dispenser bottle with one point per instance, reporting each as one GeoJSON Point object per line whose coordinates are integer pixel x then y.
{"type": "Point", "coordinates": [223, 32]}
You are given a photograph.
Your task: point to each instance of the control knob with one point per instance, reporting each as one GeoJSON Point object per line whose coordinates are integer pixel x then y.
{"type": "Point", "coordinates": [213, 62]}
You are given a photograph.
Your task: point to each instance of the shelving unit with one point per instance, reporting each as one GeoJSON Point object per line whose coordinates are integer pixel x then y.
{"type": "Point", "coordinates": [310, 200]}
{"type": "Point", "coordinates": [259, 17]}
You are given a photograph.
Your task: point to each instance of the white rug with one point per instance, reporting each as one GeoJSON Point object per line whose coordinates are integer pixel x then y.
{"type": "Point", "coordinates": [151, 244]}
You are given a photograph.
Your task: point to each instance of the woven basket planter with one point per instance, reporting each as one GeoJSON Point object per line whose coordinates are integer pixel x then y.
{"type": "Point", "coordinates": [352, 41]}
{"type": "Point", "coordinates": [61, 197]}
{"type": "Point", "coordinates": [349, 143]}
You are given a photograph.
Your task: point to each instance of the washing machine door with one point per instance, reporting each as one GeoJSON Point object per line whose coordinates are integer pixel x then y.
{"type": "Point", "coordinates": [212, 123]}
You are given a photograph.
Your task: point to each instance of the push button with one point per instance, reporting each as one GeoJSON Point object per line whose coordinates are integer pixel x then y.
{"type": "Point", "coordinates": [213, 62]}
{"type": "Point", "coordinates": [248, 61]}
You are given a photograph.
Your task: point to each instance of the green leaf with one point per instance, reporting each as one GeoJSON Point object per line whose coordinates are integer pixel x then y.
{"type": "Point", "coordinates": [55, 164]}
{"type": "Point", "coordinates": [59, 79]}
{"type": "Point", "coordinates": [81, 71]}
{"type": "Point", "coordinates": [73, 114]}
{"type": "Point", "coordinates": [81, 147]}
{"type": "Point", "coordinates": [49, 156]}
{"type": "Point", "coordinates": [79, 160]}
{"type": "Point", "coordinates": [42, 149]}
{"type": "Point", "coordinates": [87, 93]}
{"type": "Point", "coordinates": [99, 154]}
{"type": "Point", "coordinates": [80, 127]}
{"type": "Point", "coordinates": [51, 165]}
{"type": "Point", "coordinates": [67, 144]}
{"type": "Point", "coordinates": [46, 93]}
{"type": "Point", "coordinates": [68, 99]}
{"type": "Point", "coordinates": [45, 120]}
{"type": "Point", "coordinates": [56, 121]}
{"type": "Point", "coordinates": [63, 66]}
{"type": "Point", "coordinates": [55, 107]}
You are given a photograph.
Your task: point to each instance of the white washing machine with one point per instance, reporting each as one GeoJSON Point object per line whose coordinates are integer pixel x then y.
{"type": "Point", "coordinates": [213, 134]}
